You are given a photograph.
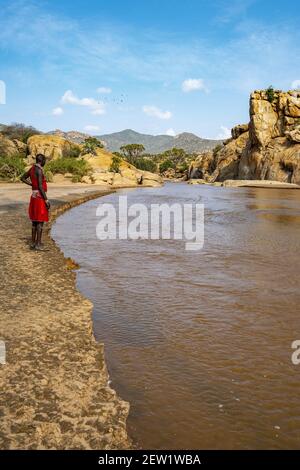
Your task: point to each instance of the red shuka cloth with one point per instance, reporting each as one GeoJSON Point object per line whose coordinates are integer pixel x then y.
{"type": "Point", "coordinates": [38, 211]}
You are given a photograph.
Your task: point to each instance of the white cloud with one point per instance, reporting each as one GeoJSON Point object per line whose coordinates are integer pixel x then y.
{"type": "Point", "coordinates": [156, 112]}
{"type": "Point", "coordinates": [91, 128]}
{"type": "Point", "coordinates": [171, 132]}
{"type": "Point", "coordinates": [193, 84]}
{"type": "Point", "coordinates": [104, 90]}
{"type": "Point", "coordinates": [96, 107]}
{"type": "Point", "coordinates": [295, 84]}
{"type": "Point", "coordinates": [224, 134]}
{"type": "Point", "coordinates": [57, 111]}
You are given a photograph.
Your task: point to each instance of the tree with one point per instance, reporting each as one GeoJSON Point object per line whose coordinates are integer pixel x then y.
{"type": "Point", "coordinates": [90, 145]}
{"type": "Point", "coordinates": [166, 165]}
{"type": "Point", "coordinates": [132, 151]}
{"type": "Point", "coordinates": [175, 155]}
{"type": "Point", "coordinates": [115, 164]}
{"type": "Point", "coordinates": [19, 131]}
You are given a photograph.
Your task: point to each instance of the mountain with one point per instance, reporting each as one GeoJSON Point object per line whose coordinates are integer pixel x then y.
{"type": "Point", "coordinates": [157, 143]}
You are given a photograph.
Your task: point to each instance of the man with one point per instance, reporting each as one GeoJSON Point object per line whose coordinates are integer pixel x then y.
{"type": "Point", "coordinates": [39, 205]}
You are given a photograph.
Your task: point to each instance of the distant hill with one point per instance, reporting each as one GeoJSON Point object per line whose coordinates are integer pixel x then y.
{"type": "Point", "coordinates": [153, 143]}
{"type": "Point", "coordinates": [157, 143]}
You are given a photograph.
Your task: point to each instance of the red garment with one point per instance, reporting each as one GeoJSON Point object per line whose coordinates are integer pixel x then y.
{"type": "Point", "coordinates": [38, 211]}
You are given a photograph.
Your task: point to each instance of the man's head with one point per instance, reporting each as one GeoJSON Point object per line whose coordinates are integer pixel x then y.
{"type": "Point", "coordinates": [40, 159]}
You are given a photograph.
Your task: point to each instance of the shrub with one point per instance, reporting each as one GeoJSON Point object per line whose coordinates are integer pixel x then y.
{"type": "Point", "coordinates": [115, 164]}
{"type": "Point", "coordinates": [270, 94]}
{"type": "Point", "coordinates": [11, 168]}
{"type": "Point", "coordinates": [144, 164]}
{"type": "Point", "coordinates": [74, 152]}
{"type": "Point", "coordinates": [166, 165]}
{"type": "Point", "coordinates": [77, 167]}
{"type": "Point", "coordinates": [49, 176]}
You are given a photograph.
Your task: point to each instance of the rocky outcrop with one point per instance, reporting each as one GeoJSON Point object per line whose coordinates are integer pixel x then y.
{"type": "Point", "coordinates": [268, 148]}
{"type": "Point", "coordinates": [72, 136]}
{"type": "Point", "coordinates": [201, 168]}
{"type": "Point", "coordinates": [127, 176]}
{"type": "Point", "coordinates": [52, 146]}
{"type": "Point", "coordinates": [7, 147]}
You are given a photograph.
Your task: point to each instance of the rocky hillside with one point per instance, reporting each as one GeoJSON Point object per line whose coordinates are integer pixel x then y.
{"type": "Point", "coordinates": [72, 136]}
{"type": "Point", "coordinates": [67, 161]}
{"type": "Point", "coordinates": [268, 148]}
{"type": "Point", "coordinates": [155, 144]}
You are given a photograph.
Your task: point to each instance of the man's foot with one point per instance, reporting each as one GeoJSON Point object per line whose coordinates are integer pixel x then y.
{"type": "Point", "coordinates": [40, 248]}
{"type": "Point", "coordinates": [32, 246]}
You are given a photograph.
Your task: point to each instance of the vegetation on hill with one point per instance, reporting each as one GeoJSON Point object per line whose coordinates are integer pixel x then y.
{"type": "Point", "coordinates": [157, 144]}
{"type": "Point", "coordinates": [90, 145]}
{"type": "Point", "coordinates": [173, 162]}
{"type": "Point", "coordinates": [18, 131]}
{"type": "Point", "coordinates": [74, 166]}
{"type": "Point", "coordinates": [11, 168]}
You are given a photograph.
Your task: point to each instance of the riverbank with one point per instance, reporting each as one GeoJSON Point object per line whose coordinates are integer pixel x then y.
{"type": "Point", "coordinates": [55, 391]}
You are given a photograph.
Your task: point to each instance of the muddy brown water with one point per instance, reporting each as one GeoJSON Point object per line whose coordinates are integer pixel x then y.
{"type": "Point", "coordinates": [199, 343]}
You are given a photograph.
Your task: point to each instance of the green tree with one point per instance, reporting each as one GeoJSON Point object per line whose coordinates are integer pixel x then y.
{"type": "Point", "coordinates": [132, 151]}
{"type": "Point", "coordinates": [166, 165]}
{"type": "Point", "coordinates": [90, 145]}
{"type": "Point", "coordinates": [176, 155]}
{"type": "Point", "coordinates": [145, 164]}
{"type": "Point", "coordinates": [115, 164]}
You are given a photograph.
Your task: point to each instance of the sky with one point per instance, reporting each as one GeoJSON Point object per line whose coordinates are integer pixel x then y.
{"type": "Point", "coordinates": [158, 67]}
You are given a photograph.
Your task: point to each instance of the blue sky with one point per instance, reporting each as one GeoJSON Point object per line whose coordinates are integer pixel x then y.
{"type": "Point", "coordinates": [157, 67]}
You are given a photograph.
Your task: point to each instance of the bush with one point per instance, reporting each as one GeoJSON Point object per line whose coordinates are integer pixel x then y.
{"type": "Point", "coordinates": [11, 168]}
{"type": "Point", "coordinates": [166, 165]}
{"type": "Point", "coordinates": [77, 167]}
{"type": "Point", "coordinates": [270, 94]}
{"type": "Point", "coordinates": [115, 164]}
{"type": "Point", "coordinates": [144, 164]}
{"type": "Point", "coordinates": [74, 152]}
{"type": "Point", "coordinates": [49, 176]}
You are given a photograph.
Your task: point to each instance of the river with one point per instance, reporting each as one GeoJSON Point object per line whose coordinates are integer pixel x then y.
{"type": "Point", "coordinates": [199, 342]}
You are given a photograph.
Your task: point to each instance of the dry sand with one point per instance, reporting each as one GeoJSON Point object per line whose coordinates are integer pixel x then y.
{"type": "Point", "coordinates": [54, 386]}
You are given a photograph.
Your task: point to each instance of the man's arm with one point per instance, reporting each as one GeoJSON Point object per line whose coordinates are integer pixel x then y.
{"type": "Point", "coordinates": [39, 175]}
{"type": "Point", "coordinates": [25, 177]}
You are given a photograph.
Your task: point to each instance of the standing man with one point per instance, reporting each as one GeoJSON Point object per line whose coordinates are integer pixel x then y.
{"type": "Point", "coordinates": [39, 205]}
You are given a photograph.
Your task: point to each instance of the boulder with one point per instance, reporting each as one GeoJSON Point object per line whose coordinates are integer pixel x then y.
{"type": "Point", "coordinates": [7, 147]}
{"type": "Point", "coordinates": [52, 146]}
{"type": "Point", "coordinates": [236, 131]}
{"type": "Point", "coordinates": [201, 167]}
{"type": "Point", "coordinates": [294, 135]}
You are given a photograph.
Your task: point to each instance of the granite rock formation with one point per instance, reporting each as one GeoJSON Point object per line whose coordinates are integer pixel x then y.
{"type": "Point", "coordinates": [268, 148]}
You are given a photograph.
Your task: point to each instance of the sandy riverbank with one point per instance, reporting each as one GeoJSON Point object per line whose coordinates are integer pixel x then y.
{"type": "Point", "coordinates": [54, 386]}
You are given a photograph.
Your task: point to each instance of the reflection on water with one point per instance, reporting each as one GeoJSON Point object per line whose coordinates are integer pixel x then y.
{"type": "Point", "coordinates": [200, 342]}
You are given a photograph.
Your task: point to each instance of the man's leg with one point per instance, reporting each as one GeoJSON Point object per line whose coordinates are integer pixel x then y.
{"type": "Point", "coordinates": [33, 234]}
{"type": "Point", "coordinates": [39, 235]}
